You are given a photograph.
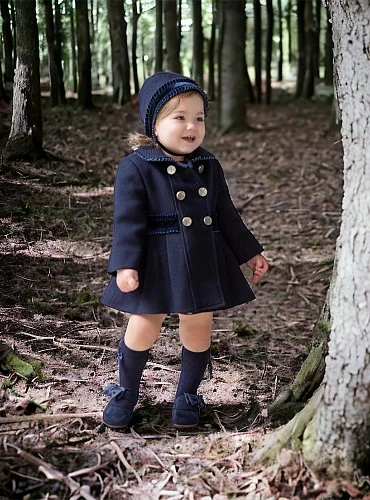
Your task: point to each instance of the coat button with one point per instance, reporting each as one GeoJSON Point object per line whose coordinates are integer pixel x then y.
{"type": "Point", "coordinates": [187, 221]}
{"type": "Point", "coordinates": [180, 195]}
{"type": "Point", "coordinates": [207, 220]}
{"type": "Point", "coordinates": [171, 169]}
{"type": "Point", "coordinates": [202, 191]}
{"type": "Point", "coordinates": [200, 168]}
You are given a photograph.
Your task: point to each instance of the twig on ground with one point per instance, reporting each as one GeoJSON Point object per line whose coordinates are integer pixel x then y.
{"type": "Point", "coordinates": [46, 416]}
{"type": "Point", "coordinates": [121, 456]}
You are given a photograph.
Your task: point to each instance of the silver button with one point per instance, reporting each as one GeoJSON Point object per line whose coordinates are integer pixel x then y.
{"type": "Point", "coordinates": [187, 221]}
{"type": "Point", "coordinates": [200, 168]}
{"type": "Point", "coordinates": [207, 220]}
{"type": "Point", "coordinates": [202, 191]}
{"type": "Point", "coordinates": [171, 169]}
{"type": "Point", "coordinates": [180, 195]}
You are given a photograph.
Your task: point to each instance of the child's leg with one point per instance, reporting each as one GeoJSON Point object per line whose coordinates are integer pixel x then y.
{"type": "Point", "coordinates": [141, 333]}
{"type": "Point", "coordinates": [195, 335]}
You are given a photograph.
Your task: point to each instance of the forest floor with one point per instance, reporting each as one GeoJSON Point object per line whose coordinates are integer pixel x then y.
{"type": "Point", "coordinates": [285, 176]}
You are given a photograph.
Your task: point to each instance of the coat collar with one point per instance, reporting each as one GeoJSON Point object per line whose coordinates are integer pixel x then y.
{"type": "Point", "coordinates": [152, 153]}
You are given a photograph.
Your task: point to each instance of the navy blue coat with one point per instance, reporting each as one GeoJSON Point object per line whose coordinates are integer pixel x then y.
{"type": "Point", "coordinates": [178, 227]}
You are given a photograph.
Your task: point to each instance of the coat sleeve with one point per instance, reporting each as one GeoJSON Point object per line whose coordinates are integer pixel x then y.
{"type": "Point", "coordinates": [238, 237]}
{"type": "Point", "coordinates": [130, 218]}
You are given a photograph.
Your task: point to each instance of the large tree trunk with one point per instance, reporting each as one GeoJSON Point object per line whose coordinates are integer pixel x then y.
{"type": "Point", "coordinates": [281, 57]}
{"type": "Point", "coordinates": [198, 50]}
{"type": "Point", "coordinates": [171, 30]}
{"type": "Point", "coordinates": [120, 62]}
{"type": "Point", "coordinates": [25, 139]}
{"type": "Point", "coordinates": [55, 63]}
{"type": "Point", "coordinates": [84, 54]}
{"type": "Point", "coordinates": [232, 93]}
{"type": "Point", "coordinates": [334, 428]}
{"type": "Point", "coordinates": [338, 437]}
{"type": "Point", "coordinates": [8, 42]}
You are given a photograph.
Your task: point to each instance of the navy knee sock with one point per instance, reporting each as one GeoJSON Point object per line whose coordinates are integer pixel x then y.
{"type": "Point", "coordinates": [130, 368]}
{"type": "Point", "coordinates": [192, 371]}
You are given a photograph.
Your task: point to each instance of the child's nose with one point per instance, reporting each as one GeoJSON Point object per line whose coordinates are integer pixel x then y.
{"type": "Point", "coordinates": [191, 124]}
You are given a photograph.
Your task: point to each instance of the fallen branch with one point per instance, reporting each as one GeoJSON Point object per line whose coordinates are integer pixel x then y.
{"type": "Point", "coordinates": [55, 475]}
{"type": "Point", "coordinates": [48, 416]}
{"type": "Point", "coordinates": [121, 456]}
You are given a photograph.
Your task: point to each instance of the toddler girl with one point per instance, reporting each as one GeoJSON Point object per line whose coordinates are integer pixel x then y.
{"type": "Point", "coordinates": [178, 244]}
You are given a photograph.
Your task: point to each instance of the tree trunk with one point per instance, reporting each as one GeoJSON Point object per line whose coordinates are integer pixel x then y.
{"type": "Point", "coordinates": [25, 139]}
{"type": "Point", "coordinates": [317, 36]}
{"type": "Point", "coordinates": [269, 36]}
{"type": "Point", "coordinates": [337, 440]}
{"type": "Point", "coordinates": [158, 35]}
{"type": "Point", "coordinates": [281, 57]}
{"type": "Point", "coordinates": [55, 64]}
{"type": "Point", "coordinates": [308, 89]}
{"type": "Point", "coordinates": [288, 18]}
{"type": "Point", "coordinates": [198, 50]}
{"type": "Point", "coordinates": [73, 49]}
{"type": "Point", "coordinates": [211, 55]}
{"type": "Point", "coordinates": [172, 42]}
{"type": "Point", "coordinates": [258, 49]}
{"type": "Point", "coordinates": [334, 428]}
{"type": "Point", "coordinates": [301, 47]}
{"type": "Point", "coordinates": [7, 42]}
{"type": "Point", "coordinates": [293, 398]}
{"type": "Point", "coordinates": [328, 52]}
{"type": "Point", "coordinates": [135, 19]}
{"type": "Point", "coordinates": [232, 93]}
{"type": "Point", "coordinates": [120, 62]}
{"type": "Point", "coordinates": [84, 54]}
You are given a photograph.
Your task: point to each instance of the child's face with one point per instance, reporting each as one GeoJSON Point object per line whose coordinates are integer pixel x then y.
{"type": "Point", "coordinates": [180, 124]}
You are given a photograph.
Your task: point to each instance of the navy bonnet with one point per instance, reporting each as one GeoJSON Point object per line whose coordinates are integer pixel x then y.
{"type": "Point", "coordinates": [157, 90]}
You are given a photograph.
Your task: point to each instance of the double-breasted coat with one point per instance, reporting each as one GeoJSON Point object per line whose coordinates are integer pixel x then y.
{"type": "Point", "coordinates": [176, 224]}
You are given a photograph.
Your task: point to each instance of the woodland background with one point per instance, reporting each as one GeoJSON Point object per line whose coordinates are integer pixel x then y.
{"type": "Point", "coordinates": [282, 156]}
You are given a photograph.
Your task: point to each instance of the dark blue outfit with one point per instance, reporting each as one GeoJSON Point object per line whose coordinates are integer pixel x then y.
{"type": "Point", "coordinates": [176, 224]}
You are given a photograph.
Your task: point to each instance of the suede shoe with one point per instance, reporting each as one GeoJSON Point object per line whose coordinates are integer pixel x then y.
{"type": "Point", "coordinates": [186, 410]}
{"type": "Point", "coordinates": [118, 412]}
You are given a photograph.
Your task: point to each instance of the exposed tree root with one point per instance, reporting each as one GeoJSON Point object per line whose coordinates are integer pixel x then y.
{"type": "Point", "coordinates": [290, 435]}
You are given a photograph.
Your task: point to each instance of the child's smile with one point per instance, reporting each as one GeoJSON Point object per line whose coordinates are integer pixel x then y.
{"type": "Point", "coordinates": [181, 128]}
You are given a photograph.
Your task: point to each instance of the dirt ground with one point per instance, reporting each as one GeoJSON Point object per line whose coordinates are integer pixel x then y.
{"type": "Point", "coordinates": [285, 176]}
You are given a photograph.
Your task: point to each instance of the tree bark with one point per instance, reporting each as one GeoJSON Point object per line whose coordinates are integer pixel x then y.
{"type": "Point", "coordinates": [308, 88]}
{"type": "Point", "coordinates": [288, 18]}
{"type": "Point", "coordinates": [281, 54]}
{"type": "Point", "coordinates": [258, 49]}
{"type": "Point", "coordinates": [269, 36]}
{"type": "Point", "coordinates": [232, 94]}
{"type": "Point", "coordinates": [84, 54]}
{"type": "Point", "coordinates": [158, 35]}
{"type": "Point", "coordinates": [171, 30]}
{"type": "Point", "coordinates": [120, 61]}
{"type": "Point", "coordinates": [57, 90]}
{"type": "Point", "coordinates": [8, 42]}
{"type": "Point", "coordinates": [337, 440]}
{"type": "Point", "coordinates": [135, 20]}
{"type": "Point", "coordinates": [328, 51]}
{"type": "Point", "coordinates": [198, 42]}
{"type": "Point", "coordinates": [211, 55]}
{"type": "Point", "coordinates": [25, 139]}
{"type": "Point", "coordinates": [301, 47]}
{"type": "Point", "coordinates": [73, 49]}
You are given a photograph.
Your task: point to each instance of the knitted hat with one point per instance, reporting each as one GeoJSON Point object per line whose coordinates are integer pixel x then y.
{"type": "Point", "coordinates": [159, 89]}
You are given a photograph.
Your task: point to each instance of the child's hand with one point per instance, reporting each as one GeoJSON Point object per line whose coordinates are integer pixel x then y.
{"type": "Point", "coordinates": [127, 280]}
{"type": "Point", "coordinates": [259, 266]}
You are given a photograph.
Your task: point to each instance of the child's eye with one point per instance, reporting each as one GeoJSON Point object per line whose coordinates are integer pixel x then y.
{"type": "Point", "coordinates": [180, 117]}
{"type": "Point", "coordinates": [200, 119]}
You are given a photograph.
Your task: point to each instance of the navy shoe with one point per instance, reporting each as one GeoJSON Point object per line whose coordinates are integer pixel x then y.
{"type": "Point", "coordinates": [186, 410]}
{"type": "Point", "coordinates": [118, 412]}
